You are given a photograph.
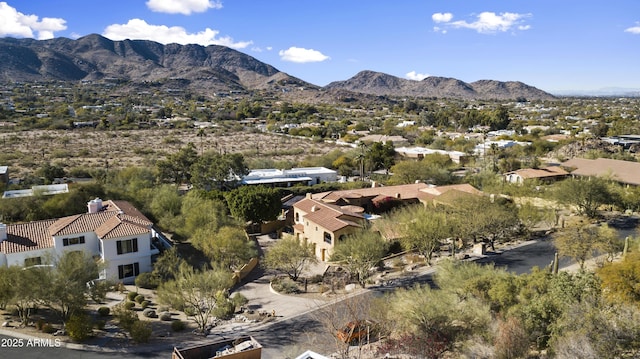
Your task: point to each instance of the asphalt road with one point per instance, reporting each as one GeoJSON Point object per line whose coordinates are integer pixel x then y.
{"type": "Point", "coordinates": [309, 331]}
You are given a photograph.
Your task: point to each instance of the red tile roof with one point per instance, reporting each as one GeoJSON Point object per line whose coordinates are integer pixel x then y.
{"type": "Point", "coordinates": [117, 219]}
{"type": "Point", "coordinates": [328, 216]}
{"type": "Point", "coordinates": [406, 191]}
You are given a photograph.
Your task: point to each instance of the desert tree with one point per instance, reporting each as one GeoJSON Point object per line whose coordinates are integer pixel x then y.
{"type": "Point", "coordinates": [254, 204]}
{"type": "Point", "coordinates": [228, 247]}
{"type": "Point", "coordinates": [587, 195]}
{"type": "Point", "coordinates": [581, 241]}
{"type": "Point", "coordinates": [213, 170]}
{"type": "Point", "coordinates": [196, 290]}
{"type": "Point", "coordinates": [290, 256]}
{"type": "Point", "coordinates": [359, 253]}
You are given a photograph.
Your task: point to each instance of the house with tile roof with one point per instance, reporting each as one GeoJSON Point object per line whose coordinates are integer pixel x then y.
{"type": "Point", "coordinates": [326, 218]}
{"type": "Point", "coordinates": [324, 224]}
{"type": "Point", "coordinates": [112, 231]}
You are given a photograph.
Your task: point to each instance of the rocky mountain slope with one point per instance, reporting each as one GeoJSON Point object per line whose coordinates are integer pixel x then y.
{"type": "Point", "coordinates": [213, 68]}
{"type": "Point", "coordinates": [381, 84]}
{"type": "Point", "coordinates": [95, 57]}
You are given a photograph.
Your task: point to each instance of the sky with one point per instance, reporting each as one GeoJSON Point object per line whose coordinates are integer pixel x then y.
{"type": "Point", "coordinates": [555, 45]}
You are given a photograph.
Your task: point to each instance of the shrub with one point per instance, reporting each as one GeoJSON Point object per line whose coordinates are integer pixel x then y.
{"type": "Point", "coordinates": [165, 316]}
{"type": "Point", "coordinates": [132, 295]}
{"type": "Point", "coordinates": [99, 324]}
{"type": "Point", "coordinates": [285, 285]}
{"type": "Point", "coordinates": [104, 311]}
{"type": "Point", "coordinates": [163, 308]}
{"type": "Point", "coordinates": [125, 317]}
{"type": "Point", "coordinates": [144, 304]}
{"type": "Point", "coordinates": [39, 324]}
{"type": "Point", "coordinates": [79, 327]}
{"type": "Point", "coordinates": [178, 325]}
{"type": "Point", "coordinates": [239, 300]}
{"type": "Point", "coordinates": [129, 305]}
{"type": "Point", "coordinates": [146, 281]}
{"type": "Point", "coordinates": [48, 328]}
{"type": "Point", "coordinates": [139, 298]}
{"type": "Point", "coordinates": [190, 311]}
{"type": "Point", "coordinates": [141, 331]}
{"type": "Point", "coordinates": [149, 313]}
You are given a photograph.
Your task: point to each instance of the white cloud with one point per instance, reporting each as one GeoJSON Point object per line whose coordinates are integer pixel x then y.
{"type": "Point", "coordinates": [486, 23]}
{"type": "Point", "coordinates": [442, 17]}
{"type": "Point", "coordinates": [139, 30]}
{"type": "Point", "coordinates": [184, 7]}
{"type": "Point", "coordinates": [634, 29]}
{"type": "Point", "coordinates": [15, 23]}
{"type": "Point", "coordinates": [302, 55]}
{"type": "Point", "coordinates": [416, 76]}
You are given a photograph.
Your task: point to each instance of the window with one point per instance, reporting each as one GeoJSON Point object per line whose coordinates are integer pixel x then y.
{"type": "Point", "coordinates": [128, 270]}
{"type": "Point", "coordinates": [327, 237]}
{"type": "Point", "coordinates": [72, 241]}
{"type": "Point", "coordinates": [28, 262]}
{"type": "Point", "coordinates": [297, 217]}
{"type": "Point", "coordinates": [127, 246]}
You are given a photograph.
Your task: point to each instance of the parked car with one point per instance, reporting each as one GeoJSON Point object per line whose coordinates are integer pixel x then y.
{"type": "Point", "coordinates": [356, 331]}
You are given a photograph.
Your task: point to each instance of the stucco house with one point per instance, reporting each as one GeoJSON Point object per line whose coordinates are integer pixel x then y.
{"type": "Point", "coordinates": [113, 231]}
{"type": "Point", "coordinates": [324, 224]}
{"type": "Point", "coordinates": [547, 174]}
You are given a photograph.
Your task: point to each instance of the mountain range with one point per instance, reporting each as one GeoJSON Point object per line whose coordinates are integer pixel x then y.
{"type": "Point", "coordinates": [213, 69]}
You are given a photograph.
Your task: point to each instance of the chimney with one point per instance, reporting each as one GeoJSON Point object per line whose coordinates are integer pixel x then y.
{"type": "Point", "coordinates": [95, 205]}
{"type": "Point", "coordinates": [3, 232]}
{"type": "Point", "coordinates": [314, 208]}
{"type": "Point", "coordinates": [398, 195]}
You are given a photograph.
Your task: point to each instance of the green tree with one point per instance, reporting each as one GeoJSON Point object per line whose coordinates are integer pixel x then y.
{"type": "Point", "coordinates": [621, 280]}
{"type": "Point", "coordinates": [67, 279]}
{"type": "Point", "coordinates": [215, 171]}
{"type": "Point", "coordinates": [586, 194]}
{"type": "Point", "coordinates": [195, 290]}
{"type": "Point", "coordinates": [359, 253]}
{"type": "Point", "coordinates": [422, 229]}
{"type": "Point", "coordinates": [176, 168]}
{"type": "Point", "coordinates": [289, 255]}
{"type": "Point", "coordinates": [381, 155]}
{"type": "Point", "coordinates": [167, 267]}
{"type": "Point", "coordinates": [254, 203]}
{"type": "Point", "coordinates": [228, 247]}
{"type": "Point", "coordinates": [581, 241]}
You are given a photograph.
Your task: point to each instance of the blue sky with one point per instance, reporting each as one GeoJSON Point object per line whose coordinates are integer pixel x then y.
{"type": "Point", "coordinates": [551, 44]}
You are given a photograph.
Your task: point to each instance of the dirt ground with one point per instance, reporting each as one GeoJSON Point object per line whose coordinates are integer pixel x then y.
{"type": "Point", "coordinates": [26, 151]}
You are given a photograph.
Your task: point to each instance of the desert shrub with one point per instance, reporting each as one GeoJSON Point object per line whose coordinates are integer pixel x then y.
{"type": "Point", "coordinates": [139, 298]}
{"type": "Point", "coordinates": [286, 286]}
{"type": "Point", "coordinates": [165, 316]}
{"type": "Point", "coordinates": [104, 311]}
{"type": "Point", "coordinates": [149, 313]}
{"type": "Point", "coordinates": [99, 324]}
{"type": "Point", "coordinates": [141, 331]}
{"type": "Point", "coordinates": [147, 281]}
{"type": "Point", "coordinates": [39, 324]}
{"type": "Point", "coordinates": [129, 305]}
{"type": "Point", "coordinates": [144, 304]}
{"type": "Point", "coordinates": [132, 295]}
{"type": "Point", "coordinates": [178, 325]}
{"type": "Point", "coordinates": [224, 309]}
{"type": "Point", "coordinates": [79, 327]}
{"type": "Point", "coordinates": [48, 328]}
{"type": "Point", "coordinates": [316, 279]}
{"type": "Point", "coordinates": [239, 300]}
{"type": "Point", "coordinates": [163, 308]}
{"type": "Point", "coordinates": [125, 317]}
{"type": "Point", "coordinates": [190, 311]}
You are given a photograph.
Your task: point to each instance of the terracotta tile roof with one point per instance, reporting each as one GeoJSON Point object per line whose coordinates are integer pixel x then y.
{"type": "Point", "coordinates": [406, 191]}
{"type": "Point", "coordinates": [122, 225]}
{"type": "Point", "coordinates": [27, 237]}
{"type": "Point", "coordinates": [117, 219]}
{"type": "Point", "coordinates": [621, 171]}
{"type": "Point", "coordinates": [440, 190]}
{"type": "Point", "coordinates": [328, 216]}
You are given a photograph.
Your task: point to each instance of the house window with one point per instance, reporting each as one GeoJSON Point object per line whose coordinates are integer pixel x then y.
{"type": "Point", "coordinates": [297, 217]}
{"type": "Point", "coordinates": [327, 237]}
{"type": "Point", "coordinates": [33, 261]}
{"type": "Point", "coordinates": [128, 270]}
{"type": "Point", "coordinates": [127, 246]}
{"type": "Point", "coordinates": [72, 241]}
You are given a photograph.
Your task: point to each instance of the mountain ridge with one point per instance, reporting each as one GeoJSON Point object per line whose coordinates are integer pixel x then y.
{"type": "Point", "coordinates": [213, 68]}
